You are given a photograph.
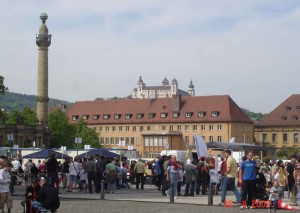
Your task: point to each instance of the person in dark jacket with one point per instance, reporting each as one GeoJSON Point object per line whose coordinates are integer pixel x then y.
{"type": "Point", "coordinates": [30, 195]}
{"type": "Point", "coordinates": [34, 171]}
{"type": "Point", "coordinates": [47, 197]}
{"type": "Point", "coordinates": [52, 170]}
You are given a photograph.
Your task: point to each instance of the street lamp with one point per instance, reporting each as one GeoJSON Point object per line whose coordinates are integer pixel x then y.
{"type": "Point", "coordinates": [10, 138]}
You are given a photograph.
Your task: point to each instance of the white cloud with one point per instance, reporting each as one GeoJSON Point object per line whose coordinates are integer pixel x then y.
{"type": "Point", "coordinates": [247, 49]}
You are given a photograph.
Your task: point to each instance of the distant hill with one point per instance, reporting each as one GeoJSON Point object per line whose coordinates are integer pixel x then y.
{"type": "Point", "coordinates": [11, 100]}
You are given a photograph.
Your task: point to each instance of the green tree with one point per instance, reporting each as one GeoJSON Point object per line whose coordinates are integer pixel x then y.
{"type": "Point", "coordinates": [286, 153]}
{"type": "Point", "coordinates": [61, 131]}
{"type": "Point", "coordinates": [13, 117]}
{"type": "Point", "coordinates": [29, 116]}
{"type": "Point", "coordinates": [89, 136]}
{"type": "Point", "coordinates": [3, 88]}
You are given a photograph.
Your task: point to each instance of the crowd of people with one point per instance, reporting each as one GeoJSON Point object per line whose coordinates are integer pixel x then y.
{"type": "Point", "coordinates": [255, 179]}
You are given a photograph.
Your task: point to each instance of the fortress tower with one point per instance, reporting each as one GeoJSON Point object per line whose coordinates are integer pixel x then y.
{"type": "Point", "coordinates": [43, 41]}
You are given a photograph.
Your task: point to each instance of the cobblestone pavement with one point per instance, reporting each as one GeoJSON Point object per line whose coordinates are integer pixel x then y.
{"type": "Point", "coordinates": [148, 200]}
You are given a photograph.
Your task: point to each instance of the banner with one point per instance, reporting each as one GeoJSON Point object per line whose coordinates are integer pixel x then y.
{"type": "Point", "coordinates": [200, 146]}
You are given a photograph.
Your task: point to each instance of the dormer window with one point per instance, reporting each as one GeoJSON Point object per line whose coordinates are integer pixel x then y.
{"type": "Point", "coordinates": [175, 114]}
{"type": "Point", "coordinates": [201, 114]}
{"type": "Point", "coordinates": [75, 117]}
{"type": "Point", "coordinates": [95, 117]}
{"type": "Point", "coordinates": [295, 118]}
{"type": "Point", "coordinates": [106, 116]}
{"type": "Point", "coordinates": [215, 114]}
{"type": "Point", "coordinates": [283, 118]}
{"type": "Point", "coordinates": [139, 115]}
{"type": "Point", "coordinates": [163, 115]}
{"type": "Point", "coordinates": [298, 108]}
{"type": "Point", "coordinates": [117, 116]}
{"type": "Point", "coordinates": [188, 114]}
{"type": "Point", "coordinates": [151, 115]}
{"type": "Point", "coordinates": [128, 116]}
{"type": "Point", "coordinates": [85, 117]}
{"type": "Point", "coordinates": [288, 108]}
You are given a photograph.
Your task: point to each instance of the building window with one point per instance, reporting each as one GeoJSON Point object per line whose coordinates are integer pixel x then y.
{"type": "Point", "coordinates": [102, 141]}
{"type": "Point", "coordinates": [211, 127]}
{"type": "Point", "coordinates": [194, 127]}
{"type": "Point", "coordinates": [151, 115]}
{"type": "Point", "coordinates": [201, 114]}
{"type": "Point", "coordinates": [215, 114]}
{"type": "Point", "coordinates": [139, 116]}
{"type": "Point", "coordinates": [128, 116]}
{"type": "Point", "coordinates": [117, 116]}
{"type": "Point", "coordinates": [131, 140]}
{"type": "Point", "coordinates": [85, 117]}
{"type": "Point", "coordinates": [126, 128]}
{"type": "Point", "coordinates": [298, 108]}
{"type": "Point", "coordinates": [187, 139]}
{"type": "Point", "coordinates": [283, 118]}
{"type": "Point", "coordinates": [295, 137]}
{"type": "Point", "coordinates": [211, 138]}
{"type": "Point", "coordinates": [137, 141]}
{"type": "Point", "coordinates": [202, 127]}
{"type": "Point", "coordinates": [75, 117]}
{"type": "Point", "coordinates": [219, 127]}
{"type": "Point", "coordinates": [106, 128]}
{"type": "Point", "coordinates": [114, 128]}
{"type": "Point", "coordinates": [163, 127]}
{"type": "Point", "coordinates": [288, 108]}
{"type": "Point", "coordinates": [284, 138]}
{"type": "Point", "coordinates": [141, 128]}
{"type": "Point", "coordinates": [120, 129]}
{"type": "Point", "coordinates": [134, 128]}
{"type": "Point", "coordinates": [112, 142]}
{"type": "Point", "coordinates": [171, 127]}
{"type": "Point", "coordinates": [117, 140]}
{"type": "Point", "coordinates": [100, 128]}
{"type": "Point", "coordinates": [186, 127]}
{"type": "Point", "coordinates": [106, 141]}
{"type": "Point", "coordinates": [146, 141]}
{"type": "Point", "coordinates": [188, 114]}
{"type": "Point", "coordinates": [219, 138]}
{"type": "Point", "coordinates": [163, 115]}
{"type": "Point", "coordinates": [148, 128]}
{"type": "Point", "coordinates": [96, 117]}
{"type": "Point", "coordinates": [175, 114]}
{"type": "Point", "coordinates": [274, 138]}
{"type": "Point", "coordinates": [295, 117]}
{"type": "Point", "coordinates": [106, 117]}
{"type": "Point", "coordinates": [179, 127]}
{"type": "Point", "coordinates": [264, 138]}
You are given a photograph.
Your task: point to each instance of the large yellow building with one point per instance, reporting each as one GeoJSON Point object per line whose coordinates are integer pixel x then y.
{"type": "Point", "coordinates": [281, 127]}
{"type": "Point", "coordinates": [148, 124]}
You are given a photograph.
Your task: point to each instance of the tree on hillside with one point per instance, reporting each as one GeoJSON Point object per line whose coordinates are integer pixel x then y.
{"type": "Point", "coordinates": [3, 88]}
{"type": "Point", "coordinates": [89, 136]}
{"type": "Point", "coordinates": [61, 131]}
{"type": "Point", "coordinates": [286, 153]}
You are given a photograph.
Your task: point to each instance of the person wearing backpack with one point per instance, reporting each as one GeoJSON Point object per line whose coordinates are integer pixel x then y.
{"type": "Point", "coordinates": [201, 176]}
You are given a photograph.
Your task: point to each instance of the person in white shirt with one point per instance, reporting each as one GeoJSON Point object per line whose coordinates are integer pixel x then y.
{"type": "Point", "coordinates": [5, 196]}
{"type": "Point", "coordinates": [74, 170]}
{"type": "Point", "coordinates": [16, 165]}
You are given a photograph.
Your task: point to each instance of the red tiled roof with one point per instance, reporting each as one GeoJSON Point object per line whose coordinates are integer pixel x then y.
{"type": "Point", "coordinates": [228, 110]}
{"type": "Point", "coordinates": [286, 114]}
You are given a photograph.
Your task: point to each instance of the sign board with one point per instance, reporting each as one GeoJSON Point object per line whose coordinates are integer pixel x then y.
{"type": "Point", "coordinates": [16, 146]}
{"type": "Point", "coordinates": [63, 148]}
{"type": "Point", "coordinates": [10, 137]}
{"type": "Point", "coordinates": [33, 143]}
{"type": "Point", "coordinates": [166, 146]}
{"type": "Point", "coordinates": [130, 147]}
{"type": "Point", "coordinates": [87, 146]}
{"type": "Point", "coordinates": [78, 140]}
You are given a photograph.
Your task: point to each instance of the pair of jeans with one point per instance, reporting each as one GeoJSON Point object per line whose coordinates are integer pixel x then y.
{"type": "Point", "coordinates": [173, 178]}
{"type": "Point", "coordinates": [203, 185]}
{"type": "Point", "coordinates": [37, 205]}
{"type": "Point", "coordinates": [139, 179]}
{"type": "Point", "coordinates": [91, 178]}
{"type": "Point", "coordinates": [229, 183]}
{"type": "Point", "coordinates": [248, 189]}
{"type": "Point", "coordinates": [189, 188]}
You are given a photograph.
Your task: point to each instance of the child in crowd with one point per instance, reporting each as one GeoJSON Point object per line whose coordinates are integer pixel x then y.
{"type": "Point", "coordinates": [276, 193]}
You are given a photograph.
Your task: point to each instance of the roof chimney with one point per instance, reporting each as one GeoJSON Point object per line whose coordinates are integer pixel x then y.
{"type": "Point", "coordinates": [176, 103]}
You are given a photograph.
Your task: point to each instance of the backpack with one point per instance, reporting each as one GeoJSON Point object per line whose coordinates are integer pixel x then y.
{"type": "Point", "coordinates": [202, 168]}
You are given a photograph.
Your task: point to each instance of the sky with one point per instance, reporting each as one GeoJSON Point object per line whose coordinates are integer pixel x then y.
{"type": "Point", "coordinates": [248, 49]}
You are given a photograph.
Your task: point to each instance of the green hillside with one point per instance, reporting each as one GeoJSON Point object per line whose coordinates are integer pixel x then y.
{"type": "Point", "coordinates": [11, 100]}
